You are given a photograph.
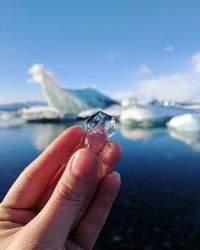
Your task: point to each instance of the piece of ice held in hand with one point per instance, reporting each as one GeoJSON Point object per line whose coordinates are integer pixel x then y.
{"type": "Point", "coordinates": [99, 128]}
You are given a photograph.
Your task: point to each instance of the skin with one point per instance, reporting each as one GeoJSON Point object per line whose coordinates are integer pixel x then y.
{"type": "Point", "coordinates": [62, 199]}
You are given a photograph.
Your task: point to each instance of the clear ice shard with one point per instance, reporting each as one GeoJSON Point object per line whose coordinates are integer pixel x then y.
{"type": "Point", "coordinates": [99, 128]}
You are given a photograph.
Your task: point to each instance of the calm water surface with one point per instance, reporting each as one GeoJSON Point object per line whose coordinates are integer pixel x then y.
{"type": "Point", "coordinates": [159, 204]}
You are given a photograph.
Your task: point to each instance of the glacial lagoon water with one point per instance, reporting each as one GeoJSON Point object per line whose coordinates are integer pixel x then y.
{"type": "Point", "coordinates": [159, 204]}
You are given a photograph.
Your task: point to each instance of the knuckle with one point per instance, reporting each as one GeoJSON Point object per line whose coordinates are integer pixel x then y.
{"type": "Point", "coordinates": [69, 193]}
{"type": "Point", "coordinates": [28, 174]}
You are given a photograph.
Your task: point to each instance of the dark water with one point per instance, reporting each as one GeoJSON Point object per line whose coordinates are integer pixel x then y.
{"type": "Point", "coordinates": [159, 203]}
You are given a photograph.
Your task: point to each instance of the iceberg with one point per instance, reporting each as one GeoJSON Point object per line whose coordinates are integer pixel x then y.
{"type": "Point", "coordinates": [45, 114]}
{"type": "Point", "coordinates": [186, 122]}
{"type": "Point", "coordinates": [128, 102]}
{"type": "Point", "coordinates": [149, 116]}
{"type": "Point", "coordinates": [11, 122]}
{"type": "Point", "coordinates": [114, 110]}
{"type": "Point", "coordinates": [68, 101]}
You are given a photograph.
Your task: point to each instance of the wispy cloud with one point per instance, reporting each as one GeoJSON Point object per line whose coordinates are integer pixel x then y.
{"type": "Point", "coordinates": [143, 70]}
{"type": "Point", "coordinates": [169, 48]}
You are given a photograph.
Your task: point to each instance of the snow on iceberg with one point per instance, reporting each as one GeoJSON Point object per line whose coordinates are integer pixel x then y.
{"type": "Point", "coordinates": [67, 100]}
{"type": "Point", "coordinates": [186, 122]}
{"type": "Point", "coordinates": [148, 116]}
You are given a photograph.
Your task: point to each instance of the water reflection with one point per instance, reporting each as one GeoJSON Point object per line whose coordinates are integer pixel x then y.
{"type": "Point", "coordinates": [141, 134]}
{"type": "Point", "coordinates": [44, 134]}
{"type": "Point", "coordinates": [190, 138]}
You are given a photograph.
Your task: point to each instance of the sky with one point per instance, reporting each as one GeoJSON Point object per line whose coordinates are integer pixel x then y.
{"type": "Point", "coordinates": [147, 48]}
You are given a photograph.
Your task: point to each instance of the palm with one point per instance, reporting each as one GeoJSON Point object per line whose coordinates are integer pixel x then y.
{"type": "Point", "coordinates": [30, 198]}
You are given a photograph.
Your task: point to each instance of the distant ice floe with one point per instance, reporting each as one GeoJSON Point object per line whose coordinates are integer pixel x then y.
{"type": "Point", "coordinates": [149, 115]}
{"type": "Point", "coordinates": [128, 102]}
{"type": "Point", "coordinates": [186, 122]}
{"type": "Point", "coordinates": [186, 128]}
{"type": "Point", "coordinates": [11, 122]}
{"type": "Point", "coordinates": [45, 114]}
{"type": "Point", "coordinates": [68, 101]}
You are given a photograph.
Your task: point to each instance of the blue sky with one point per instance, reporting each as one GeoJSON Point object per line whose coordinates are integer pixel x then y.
{"type": "Point", "coordinates": [112, 44]}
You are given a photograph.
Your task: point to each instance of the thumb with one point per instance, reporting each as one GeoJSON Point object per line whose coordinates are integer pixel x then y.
{"type": "Point", "coordinates": [57, 217]}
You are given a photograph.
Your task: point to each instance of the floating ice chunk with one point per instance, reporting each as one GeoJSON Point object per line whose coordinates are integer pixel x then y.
{"type": "Point", "coordinates": [99, 127]}
{"type": "Point", "coordinates": [148, 115]}
{"type": "Point", "coordinates": [114, 110]}
{"type": "Point", "coordinates": [187, 122]}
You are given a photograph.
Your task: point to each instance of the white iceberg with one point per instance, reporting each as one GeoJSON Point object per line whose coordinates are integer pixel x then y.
{"type": "Point", "coordinates": [11, 122]}
{"type": "Point", "coordinates": [86, 113]}
{"type": "Point", "coordinates": [128, 102]}
{"type": "Point", "coordinates": [67, 100]}
{"type": "Point", "coordinates": [114, 110]}
{"type": "Point", "coordinates": [186, 122]}
{"type": "Point", "coordinates": [148, 115]}
{"type": "Point", "coordinates": [44, 114]}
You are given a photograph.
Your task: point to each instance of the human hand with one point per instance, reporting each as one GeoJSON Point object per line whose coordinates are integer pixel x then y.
{"type": "Point", "coordinates": [62, 199]}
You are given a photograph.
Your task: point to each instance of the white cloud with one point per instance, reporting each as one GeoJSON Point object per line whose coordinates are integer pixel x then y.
{"type": "Point", "coordinates": [175, 87]}
{"type": "Point", "coordinates": [182, 86]}
{"type": "Point", "coordinates": [143, 70]}
{"type": "Point", "coordinates": [196, 62]}
{"type": "Point", "coordinates": [169, 48]}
